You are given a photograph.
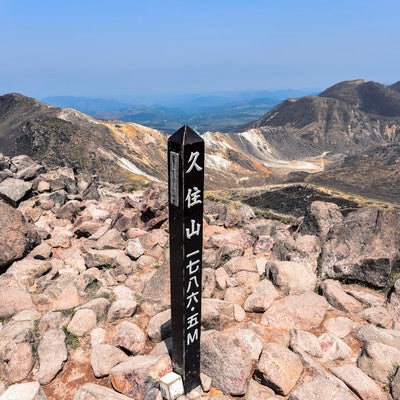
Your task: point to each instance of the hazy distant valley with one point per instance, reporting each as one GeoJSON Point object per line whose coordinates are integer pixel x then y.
{"type": "Point", "coordinates": [220, 112]}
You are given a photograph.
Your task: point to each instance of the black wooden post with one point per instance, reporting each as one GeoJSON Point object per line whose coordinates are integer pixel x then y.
{"type": "Point", "coordinates": [186, 186]}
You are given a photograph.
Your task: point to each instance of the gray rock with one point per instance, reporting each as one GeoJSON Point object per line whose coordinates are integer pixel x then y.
{"type": "Point", "coordinates": [217, 314]}
{"type": "Point", "coordinates": [21, 162]}
{"type": "Point", "coordinates": [338, 298]}
{"type": "Point", "coordinates": [208, 282]}
{"type": "Point", "coordinates": [30, 172]}
{"type": "Point", "coordinates": [256, 391]}
{"type": "Point", "coordinates": [339, 326]}
{"type": "Point", "coordinates": [13, 300]}
{"type": "Point", "coordinates": [279, 368]}
{"type": "Point", "coordinates": [370, 333]}
{"type": "Point", "coordinates": [83, 321]}
{"type": "Point", "coordinates": [17, 237]}
{"type": "Point", "coordinates": [302, 341]}
{"type": "Point", "coordinates": [226, 362]}
{"type": "Point", "coordinates": [157, 292]}
{"type": "Point", "coordinates": [112, 239]}
{"type": "Point", "coordinates": [250, 341]}
{"type": "Point", "coordinates": [53, 320]}
{"type": "Point", "coordinates": [28, 270]}
{"type": "Point", "coordinates": [360, 383]}
{"type": "Point", "coordinates": [134, 248]}
{"type": "Point", "coordinates": [304, 311]}
{"type": "Point", "coordinates": [244, 263]}
{"type": "Point", "coordinates": [41, 252]}
{"type": "Point", "coordinates": [122, 309]}
{"type": "Point", "coordinates": [395, 386]}
{"type": "Point", "coordinates": [139, 377]}
{"type": "Point", "coordinates": [333, 348]}
{"type": "Point", "coordinates": [378, 316]}
{"type": "Point", "coordinates": [302, 249]}
{"type": "Point", "coordinates": [104, 357]}
{"type": "Point", "coordinates": [52, 353]}
{"type": "Point", "coordinates": [105, 258]}
{"type": "Point", "coordinates": [24, 391]}
{"type": "Point", "coordinates": [319, 388]}
{"type": "Point", "coordinates": [320, 218]}
{"type": "Point", "coordinates": [292, 277]}
{"type": "Point", "coordinates": [16, 346]}
{"type": "Point", "coordinates": [236, 295]}
{"type": "Point", "coordinates": [364, 247]}
{"type": "Point", "coordinates": [99, 305]}
{"type": "Point", "coordinates": [367, 296]}
{"type": "Point", "coordinates": [264, 294]}
{"type": "Point", "coordinates": [130, 337]}
{"type": "Point", "coordinates": [91, 391]}
{"type": "Point", "coordinates": [160, 327]}
{"type": "Point", "coordinates": [379, 360]}
{"type": "Point", "coordinates": [14, 190]}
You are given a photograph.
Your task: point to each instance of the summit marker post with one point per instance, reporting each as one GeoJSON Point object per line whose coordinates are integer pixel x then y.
{"type": "Point", "coordinates": [186, 186]}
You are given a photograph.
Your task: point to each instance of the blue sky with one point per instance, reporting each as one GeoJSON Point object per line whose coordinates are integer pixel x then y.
{"type": "Point", "coordinates": [121, 47]}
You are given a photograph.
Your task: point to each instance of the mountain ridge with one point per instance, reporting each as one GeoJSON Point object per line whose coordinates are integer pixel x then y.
{"type": "Point", "coordinates": [307, 138]}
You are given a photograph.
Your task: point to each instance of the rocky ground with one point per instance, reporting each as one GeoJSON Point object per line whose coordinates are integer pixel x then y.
{"type": "Point", "coordinates": [304, 311]}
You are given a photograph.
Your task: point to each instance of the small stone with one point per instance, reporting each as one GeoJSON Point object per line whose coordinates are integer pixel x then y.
{"type": "Point", "coordinates": [304, 311]}
{"type": "Point", "coordinates": [221, 278]}
{"type": "Point", "coordinates": [122, 309]}
{"type": "Point", "coordinates": [14, 190]}
{"type": "Point", "coordinates": [53, 320]}
{"type": "Point", "coordinates": [378, 316]}
{"type": "Point", "coordinates": [263, 296]}
{"type": "Point", "coordinates": [139, 377]}
{"type": "Point", "coordinates": [360, 383]}
{"type": "Point", "coordinates": [112, 239]}
{"type": "Point", "coordinates": [104, 357]}
{"type": "Point", "coordinates": [52, 353]}
{"type": "Point", "coordinates": [99, 305]}
{"type": "Point", "coordinates": [130, 337]}
{"type": "Point", "coordinates": [13, 300]}
{"type": "Point", "coordinates": [97, 336]}
{"type": "Point", "coordinates": [24, 391]}
{"type": "Point", "coordinates": [91, 391]}
{"type": "Point", "coordinates": [302, 341]}
{"type": "Point", "coordinates": [17, 358]}
{"type": "Point", "coordinates": [228, 364]}
{"type": "Point", "coordinates": [205, 382]}
{"type": "Point", "coordinates": [379, 360]}
{"type": "Point", "coordinates": [41, 252]}
{"type": "Point", "coordinates": [319, 388]}
{"type": "Point", "coordinates": [333, 348]}
{"type": "Point", "coordinates": [82, 322]}
{"type": "Point", "coordinates": [256, 391]}
{"type": "Point", "coordinates": [134, 249]}
{"type": "Point", "coordinates": [280, 368]}
{"type": "Point", "coordinates": [43, 186]}
{"type": "Point", "coordinates": [339, 326]}
{"type": "Point", "coordinates": [292, 277]}
{"type": "Point", "coordinates": [236, 295]}
{"type": "Point", "coordinates": [338, 298]}
{"type": "Point", "coordinates": [370, 333]}
{"type": "Point", "coordinates": [395, 386]}
{"type": "Point", "coordinates": [159, 327]}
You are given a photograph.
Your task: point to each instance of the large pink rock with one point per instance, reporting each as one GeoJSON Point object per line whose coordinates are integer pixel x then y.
{"type": "Point", "coordinates": [279, 368]}
{"type": "Point", "coordinates": [17, 237]}
{"type": "Point", "coordinates": [139, 377]}
{"type": "Point", "coordinates": [226, 361]}
{"type": "Point", "coordinates": [304, 311]}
